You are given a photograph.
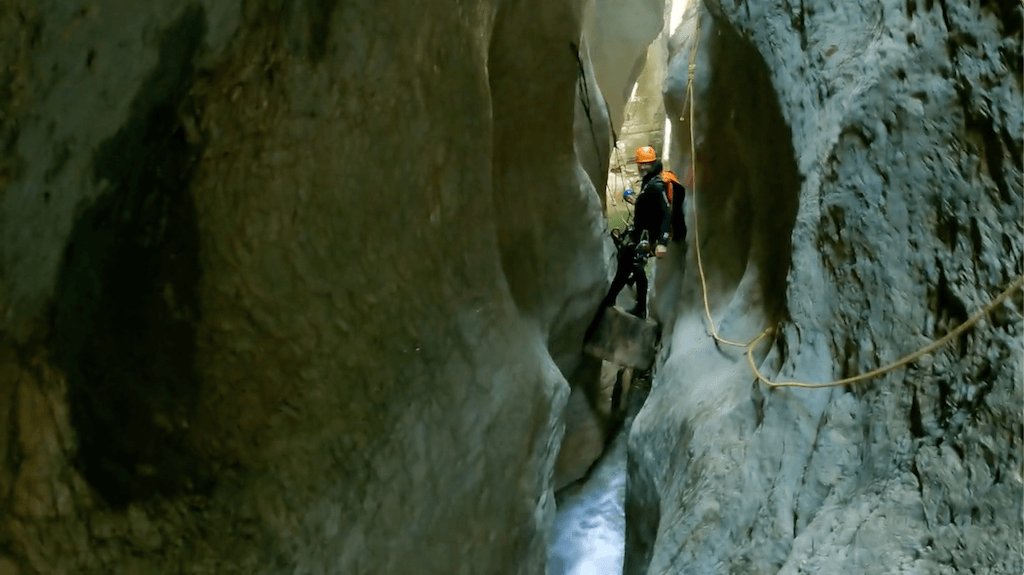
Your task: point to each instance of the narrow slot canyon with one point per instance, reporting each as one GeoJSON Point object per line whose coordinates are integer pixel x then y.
{"type": "Point", "coordinates": [322, 287]}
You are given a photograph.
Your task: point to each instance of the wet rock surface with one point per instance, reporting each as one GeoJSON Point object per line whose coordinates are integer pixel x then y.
{"type": "Point", "coordinates": [589, 527]}
{"type": "Point", "coordinates": [893, 133]}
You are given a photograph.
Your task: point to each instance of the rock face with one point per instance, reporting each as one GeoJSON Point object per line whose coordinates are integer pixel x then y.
{"type": "Point", "coordinates": [611, 55]}
{"type": "Point", "coordinates": [859, 186]}
{"type": "Point", "coordinates": [289, 287]}
{"type": "Point", "coordinates": [644, 122]}
{"type": "Point", "coordinates": [619, 34]}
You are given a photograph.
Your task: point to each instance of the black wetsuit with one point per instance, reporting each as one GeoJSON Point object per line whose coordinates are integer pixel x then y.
{"type": "Point", "coordinates": [653, 215]}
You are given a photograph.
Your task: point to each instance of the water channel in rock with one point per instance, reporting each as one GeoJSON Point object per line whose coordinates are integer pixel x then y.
{"type": "Point", "coordinates": [589, 531]}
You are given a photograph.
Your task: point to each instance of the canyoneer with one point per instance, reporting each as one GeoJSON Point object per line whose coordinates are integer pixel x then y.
{"type": "Point", "coordinates": [650, 231]}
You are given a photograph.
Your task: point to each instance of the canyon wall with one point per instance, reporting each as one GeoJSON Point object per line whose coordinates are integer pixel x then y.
{"type": "Point", "coordinates": [289, 287]}
{"type": "Point", "coordinates": [858, 188]}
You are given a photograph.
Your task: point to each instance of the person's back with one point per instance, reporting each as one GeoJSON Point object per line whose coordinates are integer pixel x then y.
{"type": "Point", "coordinates": [651, 212]}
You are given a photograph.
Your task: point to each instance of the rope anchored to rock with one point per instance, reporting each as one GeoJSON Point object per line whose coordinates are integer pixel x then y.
{"type": "Point", "coordinates": [896, 364]}
{"type": "Point", "coordinates": [750, 346]}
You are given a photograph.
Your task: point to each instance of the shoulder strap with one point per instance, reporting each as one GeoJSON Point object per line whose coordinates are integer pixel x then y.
{"type": "Point", "coordinates": [669, 178]}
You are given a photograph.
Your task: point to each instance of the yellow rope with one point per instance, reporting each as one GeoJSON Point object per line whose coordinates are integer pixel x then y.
{"type": "Point", "coordinates": [896, 364]}
{"type": "Point", "coordinates": [693, 171]}
{"type": "Point", "coordinates": [750, 346]}
{"type": "Point", "coordinates": [696, 225]}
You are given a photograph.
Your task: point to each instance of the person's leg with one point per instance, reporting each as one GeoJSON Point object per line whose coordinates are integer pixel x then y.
{"type": "Point", "coordinates": [640, 310]}
{"type": "Point", "coordinates": [622, 272]}
{"type": "Point", "coordinates": [621, 276]}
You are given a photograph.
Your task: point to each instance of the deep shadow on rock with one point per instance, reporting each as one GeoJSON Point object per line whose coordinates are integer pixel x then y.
{"type": "Point", "coordinates": [126, 304]}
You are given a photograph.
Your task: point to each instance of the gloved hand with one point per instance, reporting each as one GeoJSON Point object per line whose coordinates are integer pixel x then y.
{"type": "Point", "coordinates": [660, 251]}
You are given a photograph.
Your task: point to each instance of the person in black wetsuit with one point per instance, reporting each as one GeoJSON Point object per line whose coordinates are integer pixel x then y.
{"type": "Point", "coordinates": [649, 233]}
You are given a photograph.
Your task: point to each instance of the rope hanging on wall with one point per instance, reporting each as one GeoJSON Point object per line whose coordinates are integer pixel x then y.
{"type": "Point", "coordinates": [987, 309]}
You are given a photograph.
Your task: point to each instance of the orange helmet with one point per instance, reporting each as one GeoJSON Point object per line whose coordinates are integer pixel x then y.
{"type": "Point", "coordinates": [645, 154]}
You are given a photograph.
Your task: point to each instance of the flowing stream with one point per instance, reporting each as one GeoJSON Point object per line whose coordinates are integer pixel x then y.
{"type": "Point", "coordinates": [589, 532]}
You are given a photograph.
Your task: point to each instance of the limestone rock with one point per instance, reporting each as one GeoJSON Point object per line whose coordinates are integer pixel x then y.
{"type": "Point", "coordinates": [594, 415]}
{"type": "Point", "coordinates": [9, 567]}
{"type": "Point", "coordinates": [858, 186]}
{"type": "Point", "coordinates": [583, 443]}
{"type": "Point", "coordinates": [619, 34]}
{"type": "Point", "coordinates": [307, 288]}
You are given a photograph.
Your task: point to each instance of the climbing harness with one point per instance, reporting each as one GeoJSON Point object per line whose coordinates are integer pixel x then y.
{"type": "Point", "coordinates": [987, 309]}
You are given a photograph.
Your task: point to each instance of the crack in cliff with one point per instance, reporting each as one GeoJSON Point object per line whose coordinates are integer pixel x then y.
{"type": "Point", "coordinates": [583, 92]}
{"type": "Point", "coordinates": [943, 10]}
{"type": "Point", "coordinates": [916, 471]}
{"type": "Point", "coordinates": [823, 421]}
{"type": "Point", "coordinates": [1011, 145]}
{"type": "Point", "coordinates": [982, 124]}
{"type": "Point", "coordinates": [14, 456]}
{"type": "Point", "coordinates": [320, 13]}
{"type": "Point", "coordinates": [126, 310]}
{"type": "Point", "coordinates": [1009, 13]}
{"type": "Point", "coordinates": [916, 424]}
{"type": "Point", "coordinates": [802, 26]}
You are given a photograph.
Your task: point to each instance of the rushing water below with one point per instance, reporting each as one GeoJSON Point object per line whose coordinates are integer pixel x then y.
{"type": "Point", "coordinates": [589, 532]}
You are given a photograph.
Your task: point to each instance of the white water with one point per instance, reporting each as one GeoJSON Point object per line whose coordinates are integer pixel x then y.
{"type": "Point", "coordinates": [589, 533]}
